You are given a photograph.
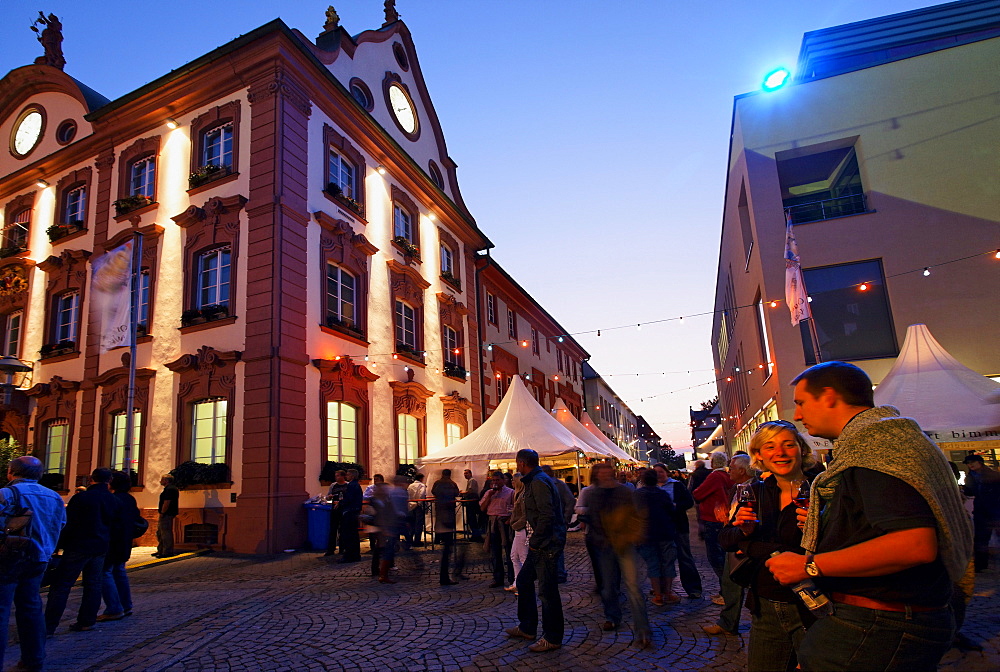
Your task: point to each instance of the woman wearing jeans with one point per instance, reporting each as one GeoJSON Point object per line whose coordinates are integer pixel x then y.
{"type": "Point", "coordinates": [779, 619]}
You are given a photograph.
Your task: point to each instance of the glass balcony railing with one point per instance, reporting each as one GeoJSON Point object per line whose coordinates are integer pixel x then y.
{"type": "Point", "coordinates": [853, 204]}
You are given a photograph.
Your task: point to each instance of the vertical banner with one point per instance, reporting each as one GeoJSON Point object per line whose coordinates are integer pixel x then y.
{"type": "Point", "coordinates": [111, 296]}
{"type": "Point", "coordinates": [795, 286]}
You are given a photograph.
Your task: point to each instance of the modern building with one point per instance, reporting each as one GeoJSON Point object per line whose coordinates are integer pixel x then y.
{"type": "Point", "coordinates": [648, 442]}
{"type": "Point", "coordinates": [520, 338]}
{"type": "Point", "coordinates": [307, 272]}
{"type": "Point", "coordinates": [706, 424]}
{"type": "Point", "coordinates": [882, 152]}
{"type": "Point", "coordinates": [610, 413]}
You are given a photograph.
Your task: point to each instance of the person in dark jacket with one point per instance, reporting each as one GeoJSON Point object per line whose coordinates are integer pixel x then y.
{"type": "Point", "coordinates": [543, 510]}
{"type": "Point", "coordinates": [116, 591]}
{"type": "Point", "coordinates": [350, 510]}
{"type": "Point", "coordinates": [336, 496]}
{"type": "Point", "coordinates": [90, 517]}
{"type": "Point", "coordinates": [778, 617]}
{"type": "Point", "coordinates": [682, 499]}
{"type": "Point", "coordinates": [659, 550]}
{"type": "Point", "coordinates": [445, 493]}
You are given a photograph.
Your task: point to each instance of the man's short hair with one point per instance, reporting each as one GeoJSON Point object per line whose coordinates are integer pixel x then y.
{"type": "Point", "coordinates": [418, 476]}
{"type": "Point", "coordinates": [102, 475]}
{"type": "Point", "coordinates": [548, 470]}
{"type": "Point", "coordinates": [170, 479]}
{"type": "Point", "coordinates": [378, 477]}
{"type": "Point", "coordinates": [121, 482]}
{"type": "Point", "coordinates": [497, 474]}
{"type": "Point", "coordinates": [699, 463]}
{"type": "Point", "coordinates": [340, 472]}
{"type": "Point", "coordinates": [649, 478]}
{"type": "Point", "coordinates": [528, 456]}
{"type": "Point", "coordinates": [851, 383]}
{"type": "Point", "coordinates": [740, 461]}
{"type": "Point", "coordinates": [446, 473]}
{"type": "Point", "coordinates": [353, 471]}
{"type": "Point", "coordinates": [26, 466]}
{"type": "Point", "coordinates": [973, 458]}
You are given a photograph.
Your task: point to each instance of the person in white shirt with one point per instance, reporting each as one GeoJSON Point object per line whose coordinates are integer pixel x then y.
{"type": "Point", "coordinates": [417, 491]}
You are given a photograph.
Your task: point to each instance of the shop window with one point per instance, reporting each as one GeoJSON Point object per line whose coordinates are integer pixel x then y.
{"type": "Point", "coordinates": [341, 432]}
{"type": "Point", "coordinates": [209, 431]}
{"type": "Point", "coordinates": [851, 323]}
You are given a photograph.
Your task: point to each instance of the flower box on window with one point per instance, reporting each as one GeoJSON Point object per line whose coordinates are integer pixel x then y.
{"type": "Point", "coordinates": [57, 231]}
{"type": "Point", "coordinates": [346, 326]}
{"type": "Point", "coordinates": [216, 311]}
{"type": "Point", "coordinates": [336, 192]}
{"type": "Point", "coordinates": [452, 280]}
{"type": "Point", "coordinates": [130, 203]}
{"type": "Point", "coordinates": [198, 473]}
{"type": "Point", "coordinates": [409, 352]}
{"type": "Point", "coordinates": [141, 330]}
{"type": "Point", "coordinates": [191, 316]}
{"type": "Point", "coordinates": [11, 250]}
{"type": "Point", "coordinates": [204, 174]}
{"type": "Point", "coordinates": [454, 370]}
{"type": "Point", "coordinates": [55, 349]}
{"type": "Point", "coordinates": [408, 248]}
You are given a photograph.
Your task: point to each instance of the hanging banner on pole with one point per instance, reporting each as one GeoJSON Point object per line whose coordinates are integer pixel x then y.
{"type": "Point", "coordinates": [110, 296]}
{"type": "Point", "coordinates": [795, 286]}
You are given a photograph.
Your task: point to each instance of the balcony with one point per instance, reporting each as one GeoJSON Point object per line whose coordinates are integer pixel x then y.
{"type": "Point", "coordinates": [830, 208]}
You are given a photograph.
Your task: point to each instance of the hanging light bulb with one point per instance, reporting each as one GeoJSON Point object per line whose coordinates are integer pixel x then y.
{"type": "Point", "coordinates": [638, 327]}
{"type": "Point", "coordinates": [774, 304]}
{"type": "Point", "coordinates": [598, 332]}
{"type": "Point", "coordinates": [863, 287]}
{"type": "Point", "coordinates": [998, 257]}
{"type": "Point", "coordinates": [366, 358]}
{"type": "Point", "coordinates": [927, 271]}
{"type": "Point", "coordinates": [395, 355]}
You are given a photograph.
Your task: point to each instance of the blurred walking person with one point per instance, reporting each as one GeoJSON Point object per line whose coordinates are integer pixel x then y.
{"type": "Point", "coordinates": [446, 494]}
{"type": "Point", "coordinates": [498, 504]}
{"type": "Point", "coordinates": [659, 550]}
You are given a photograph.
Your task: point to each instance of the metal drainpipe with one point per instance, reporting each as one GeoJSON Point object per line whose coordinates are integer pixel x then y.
{"type": "Point", "coordinates": [479, 335]}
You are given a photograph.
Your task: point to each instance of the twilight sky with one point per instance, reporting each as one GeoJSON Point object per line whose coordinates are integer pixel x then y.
{"type": "Point", "coordinates": [591, 139]}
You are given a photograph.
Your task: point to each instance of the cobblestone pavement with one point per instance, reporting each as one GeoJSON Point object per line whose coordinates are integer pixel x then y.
{"type": "Point", "coordinates": [299, 612]}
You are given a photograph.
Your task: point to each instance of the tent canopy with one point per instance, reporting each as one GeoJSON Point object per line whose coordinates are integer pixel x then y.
{"type": "Point", "coordinates": [602, 447]}
{"type": "Point", "coordinates": [518, 422]}
{"type": "Point", "coordinates": [947, 398]}
{"type": "Point", "coordinates": [616, 451]}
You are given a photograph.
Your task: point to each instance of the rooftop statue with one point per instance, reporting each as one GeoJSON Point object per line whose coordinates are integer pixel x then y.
{"type": "Point", "coordinates": [51, 39]}
{"type": "Point", "coordinates": [391, 14]}
{"type": "Point", "coordinates": [332, 19]}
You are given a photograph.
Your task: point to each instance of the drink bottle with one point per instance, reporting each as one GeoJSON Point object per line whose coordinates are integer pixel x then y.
{"type": "Point", "coordinates": [815, 600]}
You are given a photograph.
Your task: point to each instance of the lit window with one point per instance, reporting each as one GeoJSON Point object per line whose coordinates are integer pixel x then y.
{"type": "Point", "coordinates": [12, 334]}
{"type": "Point", "coordinates": [217, 149]}
{"type": "Point", "coordinates": [341, 432]}
{"type": "Point", "coordinates": [409, 438]}
{"type": "Point", "coordinates": [341, 173]}
{"type": "Point", "coordinates": [213, 278]}
{"type": "Point", "coordinates": [406, 325]}
{"type": "Point", "coordinates": [142, 177]}
{"type": "Point", "coordinates": [402, 223]}
{"type": "Point", "coordinates": [15, 234]}
{"type": "Point", "coordinates": [208, 431]}
{"type": "Point", "coordinates": [56, 445]}
{"type": "Point", "coordinates": [76, 206]}
{"type": "Point", "coordinates": [118, 434]}
{"type": "Point", "coordinates": [453, 433]}
{"type": "Point", "coordinates": [65, 316]}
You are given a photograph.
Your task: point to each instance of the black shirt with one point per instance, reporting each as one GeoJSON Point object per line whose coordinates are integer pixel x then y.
{"type": "Point", "coordinates": [172, 495]}
{"type": "Point", "coordinates": [868, 504]}
{"type": "Point", "coordinates": [90, 516]}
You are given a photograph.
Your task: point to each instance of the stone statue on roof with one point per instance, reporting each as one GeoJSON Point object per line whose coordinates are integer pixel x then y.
{"type": "Point", "coordinates": [332, 19]}
{"type": "Point", "coordinates": [391, 15]}
{"type": "Point", "coordinates": [51, 39]}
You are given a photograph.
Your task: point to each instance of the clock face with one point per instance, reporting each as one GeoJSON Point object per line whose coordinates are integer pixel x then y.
{"type": "Point", "coordinates": [402, 108]}
{"type": "Point", "coordinates": [27, 133]}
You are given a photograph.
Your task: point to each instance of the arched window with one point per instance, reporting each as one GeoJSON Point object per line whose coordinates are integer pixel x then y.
{"type": "Point", "coordinates": [341, 432]}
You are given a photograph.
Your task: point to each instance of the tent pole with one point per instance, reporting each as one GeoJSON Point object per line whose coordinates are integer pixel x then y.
{"type": "Point", "coordinates": [579, 483]}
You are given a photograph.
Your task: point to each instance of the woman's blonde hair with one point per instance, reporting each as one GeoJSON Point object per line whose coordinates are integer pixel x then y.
{"type": "Point", "coordinates": [768, 431]}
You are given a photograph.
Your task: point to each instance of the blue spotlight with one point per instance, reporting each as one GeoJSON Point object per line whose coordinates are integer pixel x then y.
{"type": "Point", "coordinates": [776, 79]}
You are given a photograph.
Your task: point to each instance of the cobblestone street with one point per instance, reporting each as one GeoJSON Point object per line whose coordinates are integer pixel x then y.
{"type": "Point", "coordinates": [299, 612]}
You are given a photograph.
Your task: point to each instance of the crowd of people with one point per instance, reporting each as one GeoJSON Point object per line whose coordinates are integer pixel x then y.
{"type": "Point", "coordinates": [862, 564]}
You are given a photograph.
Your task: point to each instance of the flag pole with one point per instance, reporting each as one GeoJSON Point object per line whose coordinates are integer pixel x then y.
{"type": "Point", "coordinates": [134, 301]}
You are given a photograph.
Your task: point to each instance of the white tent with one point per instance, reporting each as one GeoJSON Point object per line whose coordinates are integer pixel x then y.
{"type": "Point", "coordinates": [605, 448]}
{"type": "Point", "coordinates": [518, 422]}
{"type": "Point", "coordinates": [610, 445]}
{"type": "Point", "coordinates": [949, 400]}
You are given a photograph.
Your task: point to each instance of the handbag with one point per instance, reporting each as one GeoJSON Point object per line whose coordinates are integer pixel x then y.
{"type": "Point", "coordinates": [742, 568]}
{"type": "Point", "coordinates": [139, 527]}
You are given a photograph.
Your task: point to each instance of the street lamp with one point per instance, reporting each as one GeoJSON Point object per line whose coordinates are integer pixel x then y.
{"type": "Point", "coordinates": [9, 365]}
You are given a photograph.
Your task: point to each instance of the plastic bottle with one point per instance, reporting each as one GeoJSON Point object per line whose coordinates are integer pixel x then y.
{"type": "Point", "coordinates": [815, 599]}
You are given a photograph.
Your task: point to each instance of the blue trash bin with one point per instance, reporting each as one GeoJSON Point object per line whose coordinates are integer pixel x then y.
{"type": "Point", "coordinates": [318, 525]}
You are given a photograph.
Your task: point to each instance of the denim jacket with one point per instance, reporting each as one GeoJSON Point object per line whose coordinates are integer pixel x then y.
{"type": "Point", "coordinates": [49, 514]}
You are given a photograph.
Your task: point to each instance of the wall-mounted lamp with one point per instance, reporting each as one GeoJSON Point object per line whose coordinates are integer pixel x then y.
{"type": "Point", "coordinates": [41, 184]}
{"type": "Point", "coordinates": [171, 123]}
{"type": "Point", "coordinates": [381, 170]}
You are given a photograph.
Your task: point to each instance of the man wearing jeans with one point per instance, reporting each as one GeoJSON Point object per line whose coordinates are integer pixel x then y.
{"type": "Point", "coordinates": [90, 515]}
{"type": "Point", "coordinates": [547, 537]}
{"type": "Point", "coordinates": [894, 535]}
{"type": "Point", "coordinates": [713, 497]}
{"type": "Point", "coordinates": [19, 585]}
